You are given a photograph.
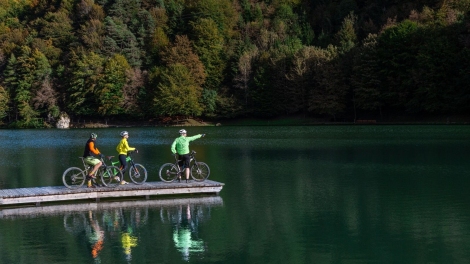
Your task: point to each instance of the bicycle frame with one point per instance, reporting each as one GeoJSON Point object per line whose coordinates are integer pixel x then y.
{"type": "Point", "coordinates": [199, 171]}
{"type": "Point", "coordinates": [128, 159]}
{"type": "Point", "coordinates": [137, 172]}
{"type": "Point", "coordinates": [75, 177]}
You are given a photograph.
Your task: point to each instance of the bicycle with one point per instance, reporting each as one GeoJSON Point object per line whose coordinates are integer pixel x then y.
{"type": "Point", "coordinates": [170, 171]}
{"type": "Point", "coordinates": [137, 172]}
{"type": "Point", "coordinates": [74, 177]}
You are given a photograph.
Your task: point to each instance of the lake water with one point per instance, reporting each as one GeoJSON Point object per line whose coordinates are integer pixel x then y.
{"type": "Point", "coordinates": [299, 194]}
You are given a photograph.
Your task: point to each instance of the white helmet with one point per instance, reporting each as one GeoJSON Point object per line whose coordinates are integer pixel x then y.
{"type": "Point", "coordinates": [123, 133]}
{"type": "Point", "coordinates": [182, 131]}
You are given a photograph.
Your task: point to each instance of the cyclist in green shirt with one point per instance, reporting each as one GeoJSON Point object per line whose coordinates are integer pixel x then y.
{"type": "Point", "coordinates": [180, 146]}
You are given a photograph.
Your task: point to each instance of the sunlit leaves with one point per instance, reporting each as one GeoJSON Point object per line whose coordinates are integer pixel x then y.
{"type": "Point", "coordinates": [346, 36]}
{"type": "Point", "coordinates": [58, 27]}
{"type": "Point", "coordinates": [119, 39]}
{"type": "Point", "coordinates": [86, 72]}
{"type": "Point", "coordinates": [109, 88]}
{"type": "Point", "coordinates": [181, 52]}
{"type": "Point", "coordinates": [4, 99]}
{"type": "Point", "coordinates": [209, 45]}
{"type": "Point", "coordinates": [92, 35]}
{"type": "Point", "coordinates": [178, 93]}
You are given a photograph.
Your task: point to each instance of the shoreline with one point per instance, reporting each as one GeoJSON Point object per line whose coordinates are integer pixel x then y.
{"type": "Point", "coordinates": [265, 123]}
{"type": "Point", "coordinates": [281, 121]}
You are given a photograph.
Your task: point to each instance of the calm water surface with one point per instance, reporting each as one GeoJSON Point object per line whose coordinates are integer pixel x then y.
{"type": "Point", "coordinates": [313, 194]}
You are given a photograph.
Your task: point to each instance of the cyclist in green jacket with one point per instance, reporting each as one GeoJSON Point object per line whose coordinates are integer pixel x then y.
{"type": "Point", "coordinates": [180, 146]}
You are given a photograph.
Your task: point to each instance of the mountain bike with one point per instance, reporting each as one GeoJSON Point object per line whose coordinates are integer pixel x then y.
{"type": "Point", "coordinates": [75, 177]}
{"type": "Point", "coordinates": [137, 172]}
{"type": "Point", "coordinates": [199, 171]}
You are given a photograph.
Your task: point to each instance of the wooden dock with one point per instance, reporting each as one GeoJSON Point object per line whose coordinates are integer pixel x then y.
{"type": "Point", "coordinates": [38, 195]}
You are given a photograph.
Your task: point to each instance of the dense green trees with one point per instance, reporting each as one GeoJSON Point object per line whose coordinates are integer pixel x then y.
{"type": "Point", "coordinates": [345, 59]}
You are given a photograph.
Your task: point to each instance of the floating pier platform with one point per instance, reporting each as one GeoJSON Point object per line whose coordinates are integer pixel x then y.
{"type": "Point", "coordinates": [39, 195]}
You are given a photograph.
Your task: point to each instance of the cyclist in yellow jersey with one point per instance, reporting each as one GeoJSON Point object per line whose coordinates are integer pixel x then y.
{"type": "Point", "coordinates": [181, 146]}
{"type": "Point", "coordinates": [123, 148]}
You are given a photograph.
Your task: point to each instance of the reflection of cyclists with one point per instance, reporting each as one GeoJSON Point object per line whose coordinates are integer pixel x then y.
{"type": "Point", "coordinates": [182, 236]}
{"type": "Point", "coordinates": [95, 237]}
{"type": "Point", "coordinates": [128, 242]}
{"type": "Point", "coordinates": [181, 146]}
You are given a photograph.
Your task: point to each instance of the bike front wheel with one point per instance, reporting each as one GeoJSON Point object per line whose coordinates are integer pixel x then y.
{"type": "Point", "coordinates": [110, 176]}
{"type": "Point", "coordinates": [200, 171]}
{"type": "Point", "coordinates": [138, 174]}
{"type": "Point", "coordinates": [73, 178]}
{"type": "Point", "coordinates": [168, 172]}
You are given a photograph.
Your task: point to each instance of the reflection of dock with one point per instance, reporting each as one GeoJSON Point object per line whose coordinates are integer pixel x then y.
{"type": "Point", "coordinates": [31, 212]}
{"type": "Point", "coordinates": [40, 195]}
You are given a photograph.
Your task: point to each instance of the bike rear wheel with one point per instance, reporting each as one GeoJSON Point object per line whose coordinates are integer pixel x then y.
{"type": "Point", "coordinates": [110, 176]}
{"type": "Point", "coordinates": [168, 172]}
{"type": "Point", "coordinates": [200, 171]}
{"type": "Point", "coordinates": [138, 174]}
{"type": "Point", "coordinates": [73, 178]}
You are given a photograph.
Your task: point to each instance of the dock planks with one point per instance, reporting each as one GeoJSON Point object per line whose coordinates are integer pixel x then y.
{"type": "Point", "coordinates": [38, 195]}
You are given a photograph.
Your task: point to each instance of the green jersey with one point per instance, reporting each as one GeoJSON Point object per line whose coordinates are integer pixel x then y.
{"type": "Point", "coordinates": [181, 144]}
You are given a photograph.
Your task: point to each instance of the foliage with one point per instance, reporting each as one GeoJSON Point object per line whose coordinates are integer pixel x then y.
{"type": "Point", "coordinates": [109, 89]}
{"type": "Point", "coordinates": [85, 72]}
{"type": "Point", "coordinates": [222, 58]}
{"type": "Point", "coordinates": [4, 99]}
{"type": "Point", "coordinates": [178, 93]}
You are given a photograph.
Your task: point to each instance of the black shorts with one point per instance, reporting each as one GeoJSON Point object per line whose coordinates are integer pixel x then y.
{"type": "Point", "coordinates": [184, 160]}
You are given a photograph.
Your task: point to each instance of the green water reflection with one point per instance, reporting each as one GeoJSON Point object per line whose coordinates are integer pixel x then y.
{"type": "Point", "coordinates": [108, 232]}
{"type": "Point", "coordinates": [313, 194]}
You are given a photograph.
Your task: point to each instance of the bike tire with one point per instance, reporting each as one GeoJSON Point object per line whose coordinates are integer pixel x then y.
{"type": "Point", "coordinates": [108, 175]}
{"type": "Point", "coordinates": [168, 172]}
{"type": "Point", "coordinates": [73, 178]}
{"type": "Point", "coordinates": [138, 174]}
{"type": "Point", "coordinates": [200, 171]}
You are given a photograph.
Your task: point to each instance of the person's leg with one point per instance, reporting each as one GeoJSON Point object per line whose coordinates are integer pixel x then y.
{"type": "Point", "coordinates": [96, 163]}
{"type": "Point", "coordinates": [122, 160]}
{"type": "Point", "coordinates": [180, 164]}
{"type": "Point", "coordinates": [186, 165]}
{"type": "Point", "coordinates": [123, 168]}
{"type": "Point", "coordinates": [95, 168]}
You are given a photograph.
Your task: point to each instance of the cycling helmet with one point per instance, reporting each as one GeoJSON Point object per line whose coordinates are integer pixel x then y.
{"type": "Point", "coordinates": [93, 135]}
{"type": "Point", "coordinates": [123, 133]}
{"type": "Point", "coordinates": [182, 131]}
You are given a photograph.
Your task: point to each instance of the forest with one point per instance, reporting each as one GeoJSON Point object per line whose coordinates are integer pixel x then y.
{"type": "Point", "coordinates": [225, 59]}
